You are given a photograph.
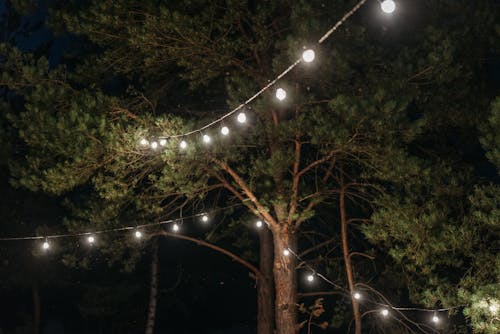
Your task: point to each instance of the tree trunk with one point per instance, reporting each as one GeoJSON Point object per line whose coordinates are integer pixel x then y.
{"type": "Point", "coordinates": [285, 281]}
{"type": "Point", "coordinates": [153, 293]}
{"type": "Point", "coordinates": [265, 295]}
{"type": "Point", "coordinates": [35, 292]}
{"type": "Point", "coordinates": [347, 261]}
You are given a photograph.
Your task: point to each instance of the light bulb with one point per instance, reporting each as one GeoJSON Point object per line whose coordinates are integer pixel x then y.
{"type": "Point", "coordinates": [204, 218]}
{"type": "Point", "coordinates": [308, 55]}
{"type": "Point", "coordinates": [280, 94]}
{"type": "Point", "coordinates": [224, 130]}
{"type": "Point", "coordinates": [138, 234]}
{"type": "Point", "coordinates": [258, 224]}
{"type": "Point", "coordinates": [357, 296]}
{"type": "Point", "coordinates": [286, 252]}
{"type": "Point", "coordinates": [242, 118]}
{"type": "Point", "coordinates": [388, 6]}
{"type": "Point", "coordinates": [91, 240]}
{"type": "Point", "coordinates": [310, 277]}
{"type": "Point", "coordinates": [163, 142]}
{"type": "Point", "coordinates": [45, 245]}
{"type": "Point", "coordinates": [144, 142]}
{"type": "Point", "coordinates": [493, 308]}
{"type": "Point", "coordinates": [384, 312]}
{"type": "Point", "coordinates": [206, 139]}
{"type": "Point", "coordinates": [435, 319]}
{"type": "Point", "coordinates": [175, 228]}
{"type": "Point", "coordinates": [183, 144]}
{"type": "Point", "coordinates": [154, 145]}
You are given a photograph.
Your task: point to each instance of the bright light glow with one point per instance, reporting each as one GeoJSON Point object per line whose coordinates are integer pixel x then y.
{"type": "Point", "coordinates": [206, 139]}
{"type": "Point", "coordinates": [175, 228]}
{"type": "Point", "coordinates": [384, 312]}
{"type": "Point", "coordinates": [224, 130]}
{"type": "Point", "coordinates": [242, 118]}
{"type": "Point", "coordinates": [45, 245]}
{"type": "Point", "coordinates": [280, 94]}
{"type": "Point", "coordinates": [286, 252]}
{"type": "Point", "coordinates": [258, 224]}
{"type": "Point", "coordinates": [183, 144]}
{"type": "Point", "coordinates": [204, 218]}
{"type": "Point", "coordinates": [154, 145]}
{"type": "Point", "coordinates": [357, 296]}
{"type": "Point", "coordinates": [388, 6]}
{"type": "Point", "coordinates": [493, 309]}
{"type": "Point", "coordinates": [435, 319]}
{"type": "Point", "coordinates": [163, 142]}
{"type": "Point", "coordinates": [138, 234]}
{"type": "Point", "coordinates": [310, 277]}
{"type": "Point", "coordinates": [144, 142]}
{"type": "Point", "coordinates": [91, 239]}
{"type": "Point", "coordinates": [308, 55]}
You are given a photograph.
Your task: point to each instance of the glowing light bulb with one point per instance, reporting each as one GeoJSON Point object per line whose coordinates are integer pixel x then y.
{"type": "Point", "coordinates": [144, 142]}
{"type": "Point", "coordinates": [154, 145]}
{"type": "Point", "coordinates": [310, 277]}
{"type": "Point", "coordinates": [242, 118]}
{"type": "Point", "coordinates": [357, 296]}
{"type": "Point", "coordinates": [258, 224]}
{"type": "Point", "coordinates": [204, 218]}
{"type": "Point", "coordinates": [435, 319]}
{"type": "Point", "coordinates": [206, 139]}
{"type": "Point", "coordinates": [384, 312]}
{"type": "Point", "coordinates": [286, 252]}
{"type": "Point", "coordinates": [45, 245]}
{"type": "Point", "coordinates": [163, 142]}
{"type": "Point", "coordinates": [224, 130]}
{"type": "Point", "coordinates": [388, 6]}
{"type": "Point", "coordinates": [280, 94]}
{"type": "Point", "coordinates": [308, 55]}
{"type": "Point", "coordinates": [91, 240]}
{"type": "Point", "coordinates": [138, 234]}
{"type": "Point", "coordinates": [493, 309]}
{"type": "Point", "coordinates": [175, 228]}
{"type": "Point", "coordinates": [183, 144]}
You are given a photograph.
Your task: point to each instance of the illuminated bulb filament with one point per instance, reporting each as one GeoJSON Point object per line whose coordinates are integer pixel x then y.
{"type": "Point", "coordinates": [384, 312]}
{"type": "Point", "coordinates": [308, 55]}
{"type": "Point", "coordinates": [280, 94]}
{"type": "Point", "coordinates": [310, 277]}
{"type": "Point", "coordinates": [175, 228]}
{"type": "Point", "coordinates": [388, 6]}
{"type": "Point", "coordinates": [357, 296]}
{"type": "Point", "coordinates": [242, 118]}
{"type": "Point", "coordinates": [286, 252]}
{"type": "Point", "coordinates": [183, 144]}
{"type": "Point", "coordinates": [154, 145]}
{"type": "Point", "coordinates": [258, 224]}
{"type": "Point", "coordinates": [206, 139]}
{"type": "Point", "coordinates": [138, 234]}
{"type": "Point", "coordinates": [435, 319]}
{"type": "Point", "coordinates": [91, 240]}
{"type": "Point", "coordinates": [45, 245]}
{"type": "Point", "coordinates": [224, 130]}
{"type": "Point", "coordinates": [204, 218]}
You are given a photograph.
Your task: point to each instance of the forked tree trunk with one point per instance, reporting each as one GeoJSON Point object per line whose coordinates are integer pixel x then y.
{"type": "Point", "coordinates": [153, 293]}
{"type": "Point", "coordinates": [285, 281]}
{"type": "Point", "coordinates": [265, 295]}
{"type": "Point", "coordinates": [347, 261]}
{"type": "Point", "coordinates": [35, 292]}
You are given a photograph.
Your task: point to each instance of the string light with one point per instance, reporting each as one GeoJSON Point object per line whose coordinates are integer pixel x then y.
{"type": "Point", "coordinates": [175, 227]}
{"type": "Point", "coordinates": [357, 296]}
{"type": "Point", "coordinates": [258, 223]}
{"type": "Point", "coordinates": [388, 6]}
{"type": "Point", "coordinates": [384, 312]}
{"type": "Point", "coordinates": [242, 117]}
{"type": "Point", "coordinates": [435, 319]}
{"type": "Point", "coordinates": [204, 218]}
{"type": "Point", "coordinates": [163, 142]}
{"type": "Point", "coordinates": [91, 239]}
{"type": "Point", "coordinates": [308, 55]}
{"type": "Point", "coordinates": [286, 252]}
{"type": "Point", "coordinates": [206, 139]}
{"type": "Point", "coordinates": [183, 144]}
{"type": "Point", "coordinates": [280, 94]}
{"type": "Point", "coordinates": [310, 278]}
{"type": "Point", "coordinates": [144, 142]}
{"type": "Point", "coordinates": [154, 145]}
{"type": "Point", "coordinates": [138, 234]}
{"type": "Point", "coordinates": [224, 130]}
{"type": "Point", "coordinates": [493, 308]}
{"type": "Point", "coordinates": [45, 245]}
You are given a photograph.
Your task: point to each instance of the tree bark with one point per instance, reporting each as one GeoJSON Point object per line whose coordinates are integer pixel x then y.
{"type": "Point", "coordinates": [285, 281]}
{"type": "Point", "coordinates": [347, 261]}
{"type": "Point", "coordinates": [265, 295]}
{"type": "Point", "coordinates": [35, 292]}
{"type": "Point", "coordinates": [153, 292]}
